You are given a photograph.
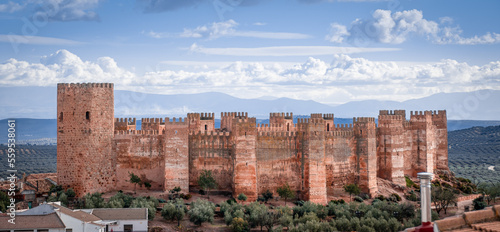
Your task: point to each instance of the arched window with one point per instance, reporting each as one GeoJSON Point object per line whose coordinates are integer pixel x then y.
{"type": "Point", "coordinates": [206, 127]}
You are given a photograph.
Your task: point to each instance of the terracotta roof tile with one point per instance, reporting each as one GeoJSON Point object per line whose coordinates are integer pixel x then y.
{"type": "Point", "coordinates": [121, 214]}
{"type": "Point", "coordinates": [49, 221]}
{"type": "Point", "coordinates": [80, 215]}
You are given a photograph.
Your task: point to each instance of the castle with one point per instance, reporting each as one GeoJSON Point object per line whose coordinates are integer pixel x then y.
{"type": "Point", "coordinates": [96, 152]}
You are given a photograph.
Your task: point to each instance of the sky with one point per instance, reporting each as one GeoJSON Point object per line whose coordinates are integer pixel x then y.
{"type": "Point", "coordinates": [329, 51]}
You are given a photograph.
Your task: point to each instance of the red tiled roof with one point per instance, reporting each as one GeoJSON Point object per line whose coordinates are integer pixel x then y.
{"type": "Point", "coordinates": [49, 221]}
{"type": "Point", "coordinates": [121, 214]}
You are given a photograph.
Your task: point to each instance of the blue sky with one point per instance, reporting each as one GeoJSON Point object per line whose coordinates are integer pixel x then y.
{"type": "Point", "coordinates": [328, 51]}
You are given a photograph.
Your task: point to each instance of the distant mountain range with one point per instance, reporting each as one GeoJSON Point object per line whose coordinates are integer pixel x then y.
{"type": "Point", "coordinates": [40, 102]}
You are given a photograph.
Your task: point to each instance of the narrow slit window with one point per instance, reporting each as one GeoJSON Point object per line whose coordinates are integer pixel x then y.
{"type": "Point", "coordinates": [87, 115]}
{"type": "Point", "coordinates": [61, 117]}
{"type": "Point", "coordinates": [206, 127]}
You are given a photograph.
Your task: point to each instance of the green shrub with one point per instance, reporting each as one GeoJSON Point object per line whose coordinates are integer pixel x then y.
{"type": "Point", "coordinates": [409, 182]}
{"type": "Point", "coordinates": [479, 203]}
{"type": "Point", "coordinates": [239, 225]}
{"type": "Point", "coordinates": [201, 211]}
{"type": "Point", "coordinates": [242, 197]}
{"type": "Point", "coordinates": [395, 197]}
{"type": "Point", "coordinates": [174, 210]}
{"type": "Point", "coordinates": [267, 195]}
{"type": "Point", "coordinates": [150, 204]}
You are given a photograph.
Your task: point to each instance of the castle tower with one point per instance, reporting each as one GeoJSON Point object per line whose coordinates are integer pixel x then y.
{"type": "Point", "coordinates": [176, 154]}
{"type": "Point", "coordinates": [366, 150]}
{"type": "Point", "coordinates": [424, 145]}
{"type": "Point", "coordinates": [85, 161]}
{"type": "Point", "coordinates": [391, 139]}
{"type": "Point", "coordinates": [440, 121]}
{"type": "Point", "coordinates": [201, 122]}
{"type": "Point", "coordinates": [283, 120]}
{"type": "Point", "coordinates": [244, 136]}
{"type": "Point", "coordinates": [226, 119]}
{"type": "Point", "coordinates": [313, 152]}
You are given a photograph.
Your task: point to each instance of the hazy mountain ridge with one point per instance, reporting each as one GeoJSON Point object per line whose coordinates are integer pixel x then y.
{"type": "Point", "coordinates": [40, 102]}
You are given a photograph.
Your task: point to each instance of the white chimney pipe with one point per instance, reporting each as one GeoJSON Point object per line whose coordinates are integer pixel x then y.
{"type": "Point", "coordinates": [425, 197]}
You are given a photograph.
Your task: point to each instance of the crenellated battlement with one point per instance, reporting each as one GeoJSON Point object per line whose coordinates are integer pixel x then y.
{"type": "Point", "coordinates": [302, 120]}
{"type": "Point", "coordinates": [287, 115]}
{"type": "Point", "coordinates": [152, 121]}
{"type": "Point", "coordinates": [290, 134]}
{"type": "Point", "coordinates": [127, 121]}
{"type": "Point", "coordinates": [363, 119]}
{"type": "Point", "coordinates": [137, 132]}
{"type": "Point", "coordinates": [439, 114]}
{"type": "Point", "coordinates": [175, 121]}
{"type": "Point", "coordinates": [316, 116]}
{"type": "Point", "coordinates": [391, 117]}
{"type": "Point", "coordinates": [234, 114]}
{"type": "Point", "coordinates": [391, 112]}
{"type": "Point", "coordinates": [339, 133]}
{"type": "Point", "coordinates": [84, 85]}
{"type": "Point", "coordinates": [422, 113]}
{"type": "Point", "coordinates": [201, 116]}
{"type": "Point", "coordinates": [210, 133]}
{"type": "Point", "coordinates": [316, 120]}
{"type": "Point", "coordinates": [343, 127]}
{"type": "Point", "coordinates": [328, 116]}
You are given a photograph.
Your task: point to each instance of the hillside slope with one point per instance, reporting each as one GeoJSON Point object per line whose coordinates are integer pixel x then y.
{"type": "Point", "coordinates": [474, 153]}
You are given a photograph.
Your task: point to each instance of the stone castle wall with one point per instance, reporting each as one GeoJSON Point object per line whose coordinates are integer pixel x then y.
{"type": "Point", "coordinates": [314, 156]}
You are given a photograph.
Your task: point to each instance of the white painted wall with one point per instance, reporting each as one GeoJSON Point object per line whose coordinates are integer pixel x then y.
{"type": "Point", "coordinates": [77, 225]}
{"type": "Point", "coordinates": [138, 225]}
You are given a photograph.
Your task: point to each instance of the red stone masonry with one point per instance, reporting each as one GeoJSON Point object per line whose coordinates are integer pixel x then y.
{"type": "Point", "coordinates": [315, 157]}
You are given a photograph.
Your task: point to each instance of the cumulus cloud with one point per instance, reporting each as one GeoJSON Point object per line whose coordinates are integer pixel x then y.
{"type": "Point", "coordinates": [225, 29]}
{"type": "Point", "coordinates": [344, 79]}
{"type": "Point", "coordinates": [396, 27]}
{"type": "Point", "coordinates": [56, 10]}
{"type": "Point", "coordinates": [62, 66]}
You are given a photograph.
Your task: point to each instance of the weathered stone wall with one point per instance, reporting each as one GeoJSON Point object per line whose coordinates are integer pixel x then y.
{"type": "Point", "coordinates": [211, 151]}
{"type": "Point", "coordinates": [340, 160]}
{"type": "Point", "coordinates": [390, 141]}
{"type": "Point", "coordinates": [176, 139]}
{"type": "Point", "coordinates": [313, 151]}
{"type": "Point", "coordinates": [244, 135]}
{"type": "Point", "coordinates": [366, 149]}
{"type": "Point", "coordinates": [141, 153]}
{"type": "Point", "coordinates": [423, 141]}
{"type": "Point", "coordinates": [277, 161]}
{"type": "Point", "coordinates": [441, 122]}
{"type": "Point", "coordinates": [85, 128]}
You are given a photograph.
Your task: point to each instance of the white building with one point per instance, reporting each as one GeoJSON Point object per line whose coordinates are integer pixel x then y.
{"type": "Point", "coordinates": [123, 219]}
{"type": "Point", "coordinates": [83, 220]}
